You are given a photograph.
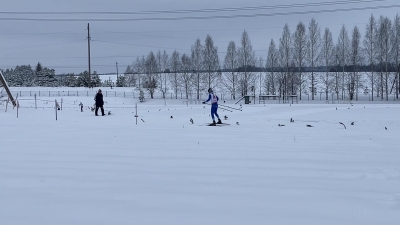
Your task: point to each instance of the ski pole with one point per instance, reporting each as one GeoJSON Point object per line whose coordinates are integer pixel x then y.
{"type": "Point", "coordinates": [221, 107]}
{"type": "Point", "coordinates": [229, 107]}
{"type": "Point", "coordinates": [225, 109]}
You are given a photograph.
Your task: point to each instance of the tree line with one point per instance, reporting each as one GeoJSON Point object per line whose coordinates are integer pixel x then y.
{"type": "Point", "coordinates": [26, 76]}
{"type": "Point", "coordinates": [304, 61]}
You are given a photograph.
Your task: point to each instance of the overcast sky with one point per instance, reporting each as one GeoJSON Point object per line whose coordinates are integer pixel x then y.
{"type": "Point", "coordinates": [62, 44]}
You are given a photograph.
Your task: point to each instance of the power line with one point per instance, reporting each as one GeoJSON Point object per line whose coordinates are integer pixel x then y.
{"type": "Point", "coordinates": [205, 17]}
{"type": "Point", "coordinates": [208, 30]}
{"type": "Point", "coordinates": [232, 9]}
{"type": "Point", "coordinates": [232, 29]}
{"type": "Point", "coordinates": [72, 57]}
{"type": "Point", "coordinates": [41, 45]}
{"type": "Point", "coordinates": [72, 66]}
{"type": "Point", "coordinates": [7, 35]}
{"type": "Point", "coordinates": [120, 43]}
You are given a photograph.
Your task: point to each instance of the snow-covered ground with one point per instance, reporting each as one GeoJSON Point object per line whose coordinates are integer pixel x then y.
{"type": "Point", "coordinates": [82, 169]}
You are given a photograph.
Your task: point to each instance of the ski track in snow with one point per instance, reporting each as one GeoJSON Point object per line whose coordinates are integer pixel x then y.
{"type": "Point", "coordinates": [83, 169]}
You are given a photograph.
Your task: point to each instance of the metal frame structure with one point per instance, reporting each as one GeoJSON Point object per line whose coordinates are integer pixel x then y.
{"type": "Point", "coordinates": [7, 88]}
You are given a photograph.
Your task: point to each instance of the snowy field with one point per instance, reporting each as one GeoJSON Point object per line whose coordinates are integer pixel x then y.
{"type": "Point", "coordinates": [82, 169]}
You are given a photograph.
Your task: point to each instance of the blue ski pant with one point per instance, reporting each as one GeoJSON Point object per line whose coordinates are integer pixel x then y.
{"type": "Point", "coordinates": [214, 109]}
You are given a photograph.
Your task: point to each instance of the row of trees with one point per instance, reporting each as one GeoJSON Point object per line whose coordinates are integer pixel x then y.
{"type": "Point", "coordinates": [300, 62]}
{"type": "Point", "coordinates": [379, 51]}
{"type": "Point", "coordinates": [293, 66]}
{"type": "Point", "coordinates": [26, 76]}
{"type": "Point", "coordinates": [195, 72]}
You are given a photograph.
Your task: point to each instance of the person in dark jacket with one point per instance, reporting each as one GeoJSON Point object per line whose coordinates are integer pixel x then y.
{"type": "Point", "coordinates": [99, 103]}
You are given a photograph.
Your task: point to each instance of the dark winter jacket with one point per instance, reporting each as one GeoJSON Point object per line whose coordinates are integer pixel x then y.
{"type": "Point", "coordinates": [99, 100]}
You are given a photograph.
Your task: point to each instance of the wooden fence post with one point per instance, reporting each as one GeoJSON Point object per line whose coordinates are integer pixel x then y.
{"type": "Point", "coordinates": [56, 107]}
{"type": "Point", "coordinates": [7, 103]}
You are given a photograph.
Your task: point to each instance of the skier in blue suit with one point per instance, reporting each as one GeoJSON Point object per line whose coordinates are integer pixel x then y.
{"type": "Point", "coordinates": [214, 106]}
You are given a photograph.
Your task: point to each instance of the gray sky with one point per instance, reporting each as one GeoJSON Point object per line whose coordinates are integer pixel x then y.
{"type": "Point", "coordinates": [62, 45]}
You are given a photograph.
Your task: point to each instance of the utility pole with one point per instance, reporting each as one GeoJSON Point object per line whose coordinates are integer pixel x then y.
{"type": "Point", "coordinates": [88, 38]}
{"type": "Point", "coordinates": [116, 64]}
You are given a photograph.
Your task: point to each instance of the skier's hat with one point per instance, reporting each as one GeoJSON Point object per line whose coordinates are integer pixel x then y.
{"type": "Point", "coordinates": [210, 90]}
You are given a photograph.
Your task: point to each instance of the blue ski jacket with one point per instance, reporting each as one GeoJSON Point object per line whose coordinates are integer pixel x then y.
{"type": "Point", "coordinates": [213, 98]}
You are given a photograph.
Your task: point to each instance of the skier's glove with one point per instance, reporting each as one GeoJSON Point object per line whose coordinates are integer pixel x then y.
{"type": "Point", "coordinates": [204, 102]}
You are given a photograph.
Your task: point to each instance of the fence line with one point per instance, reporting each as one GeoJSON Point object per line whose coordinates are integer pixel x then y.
{"type": "Point", "coordinates": [121, 94]}
{"type": "Point", "coordinates": [192, 96]}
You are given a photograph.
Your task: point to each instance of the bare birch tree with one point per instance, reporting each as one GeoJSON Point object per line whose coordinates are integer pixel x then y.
{"type": "Point", "coordinates": [313, 43]}
{"type": "Point", "coordinates": [231, 65]}
{"type": "Point", "coordinates": [130, 79]}
{"type": "Point", "coordinates": [370, 50]}
{"type": "Point", "coordinates": [260, 64]}
{"type": "Point", "coordinates": [246, 59]}
{"type": "Point", "coordinates": [271, 66]}
{"type": "Point", "coordinates": [285, 57]}
{"type": "Point", "coordinates": [197, 65]}
{"type": "Point", "coordinates": [139, 69]}
{"type": "Point", "coordinates": [344, 52]}
{"type": "Point", "coordinates": [327, 56]}
{"type": "Point", "coordinates": [356, 59]}
{"type": "Point", "coordinates": [395, 51]}
{"type": "Point", "coordinates": [210, 62]}
{"type": "Point", "coordinates": [151, 70]}
{"type": "Point", "coordinates": [383, 40]}
{"type": "Point", "coordinates": [292, 81]}
{"type": "Point", "coordinates": [337, 62]}
{"type": "Point", "coordinates": [162, 61]}
{"type": "Point", "coordinates": [187, 75]}
{"type": "Point", "coordinates": [175, 65]}
{"type": "Point", "coordinates": [300, 51]}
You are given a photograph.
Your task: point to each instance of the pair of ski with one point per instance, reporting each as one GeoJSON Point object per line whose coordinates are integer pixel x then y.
{"type": "Point", "coordinates": [216, 124]}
